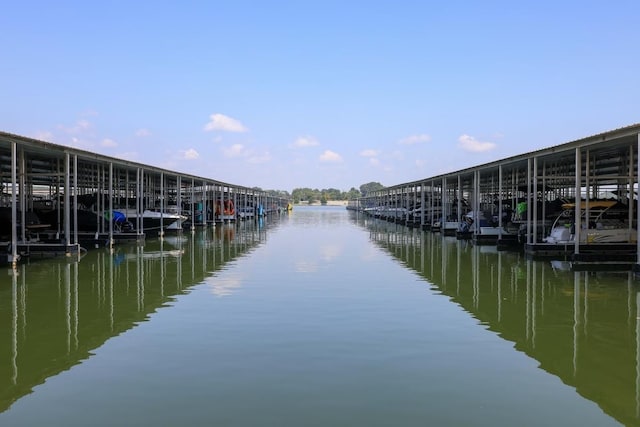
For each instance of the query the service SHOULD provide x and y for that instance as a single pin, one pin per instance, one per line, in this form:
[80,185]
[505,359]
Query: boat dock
[57,200]
[576,201]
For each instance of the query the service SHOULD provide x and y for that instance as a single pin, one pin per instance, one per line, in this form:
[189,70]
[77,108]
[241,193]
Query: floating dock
[527,193]
[79,197]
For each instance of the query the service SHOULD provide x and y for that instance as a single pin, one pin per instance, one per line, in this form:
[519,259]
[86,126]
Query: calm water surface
[319,318]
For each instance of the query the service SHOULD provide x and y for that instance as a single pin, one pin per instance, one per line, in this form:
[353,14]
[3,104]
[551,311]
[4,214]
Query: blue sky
[320,94]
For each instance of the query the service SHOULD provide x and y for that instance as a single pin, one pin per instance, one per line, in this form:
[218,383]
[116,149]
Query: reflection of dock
[38,250]
[81,305]
[581,326]
[622,253]
[172,253]
[47,245]
[590,184]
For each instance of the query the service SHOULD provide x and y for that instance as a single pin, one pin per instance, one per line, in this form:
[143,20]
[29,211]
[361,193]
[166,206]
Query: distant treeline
[314,195]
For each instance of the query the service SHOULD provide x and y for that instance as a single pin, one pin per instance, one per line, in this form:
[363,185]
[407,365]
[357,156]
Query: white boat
[156,220]
[601,225]
[481,225]
[247,212]
[449,228]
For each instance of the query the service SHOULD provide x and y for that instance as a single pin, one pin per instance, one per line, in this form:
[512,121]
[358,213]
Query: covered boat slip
[110,199]
[517,201]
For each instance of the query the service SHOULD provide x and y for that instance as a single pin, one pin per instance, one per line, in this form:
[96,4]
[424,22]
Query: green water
[318,318]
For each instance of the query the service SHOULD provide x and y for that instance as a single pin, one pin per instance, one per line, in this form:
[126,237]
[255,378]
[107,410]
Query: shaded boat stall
[108,199]
[514,202]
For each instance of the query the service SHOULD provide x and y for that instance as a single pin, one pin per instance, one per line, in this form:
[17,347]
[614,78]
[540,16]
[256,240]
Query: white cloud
[369,153]
[303,266]
[128,155]
[330,156]
[305,141]
[420,163]
[79,127]
[374,161]
[143,133]
[415,139]
[224,123]
[236,150]
[191,154]
[330,252]
[224,286]
[107,142]
[258,159]
[44,136]
[79,143]
[469,143]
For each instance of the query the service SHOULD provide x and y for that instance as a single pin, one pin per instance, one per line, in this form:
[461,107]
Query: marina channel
[503,294]
[318,316]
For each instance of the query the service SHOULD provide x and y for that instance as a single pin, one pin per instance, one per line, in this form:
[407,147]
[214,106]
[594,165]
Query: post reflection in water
[581,326]
[55,312]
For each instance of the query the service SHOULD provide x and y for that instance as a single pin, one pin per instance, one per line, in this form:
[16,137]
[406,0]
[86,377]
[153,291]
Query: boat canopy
[597,204]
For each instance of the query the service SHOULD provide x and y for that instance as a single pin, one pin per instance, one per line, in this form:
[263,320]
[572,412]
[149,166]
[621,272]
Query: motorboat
[602,221]
[225,211]
[155,220]
[247,212]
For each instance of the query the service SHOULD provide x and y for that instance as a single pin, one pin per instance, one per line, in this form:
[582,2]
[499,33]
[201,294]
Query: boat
[87,221]
[225,211]
[449,227]
[247,212]
[602,221]
[155,220]
[33,225]
[125,216]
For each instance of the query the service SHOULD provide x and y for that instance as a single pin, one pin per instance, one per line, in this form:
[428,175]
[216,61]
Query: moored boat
[225,211]
[601,221]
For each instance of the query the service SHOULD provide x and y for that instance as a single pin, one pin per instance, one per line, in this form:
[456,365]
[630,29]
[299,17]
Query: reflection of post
[586,304]
[14,325]
[528,301]
[140,284]
[576,319]
[542,289]
[444,260]
[75,305]
[432,253]
[162,268]
[630,293]
[111,304]
[67,294]
[205,247]
[500,284]
[638,354]
[422,250]
[213,251]
[458,262]
[534,288]
[475,267]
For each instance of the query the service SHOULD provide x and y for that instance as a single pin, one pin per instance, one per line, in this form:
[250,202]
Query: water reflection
[55,312]
[583,327]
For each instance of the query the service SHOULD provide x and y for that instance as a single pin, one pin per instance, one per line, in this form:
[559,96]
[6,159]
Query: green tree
[370,187]
[352,194]
[305,194]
